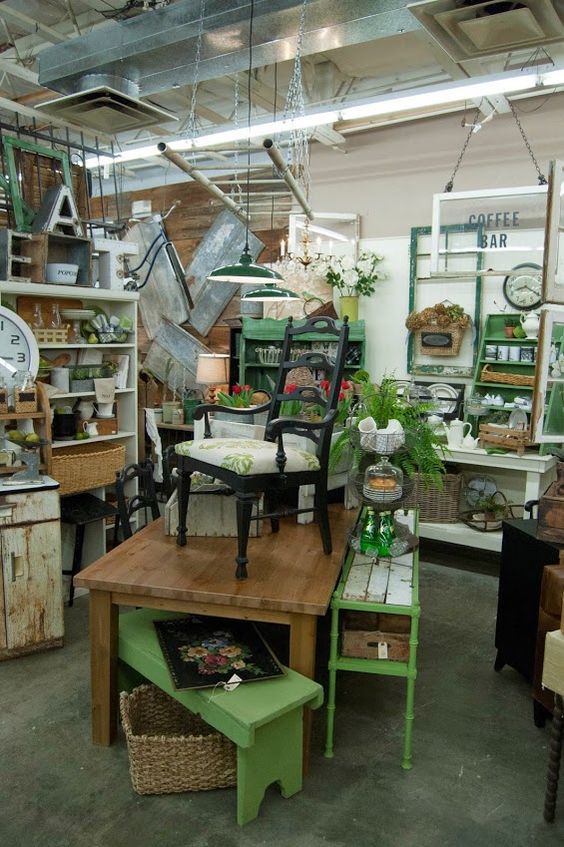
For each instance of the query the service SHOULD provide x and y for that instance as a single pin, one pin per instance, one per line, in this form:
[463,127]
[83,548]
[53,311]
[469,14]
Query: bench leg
[276,756]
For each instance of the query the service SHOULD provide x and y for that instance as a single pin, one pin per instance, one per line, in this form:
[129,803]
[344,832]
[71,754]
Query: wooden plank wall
[186,227]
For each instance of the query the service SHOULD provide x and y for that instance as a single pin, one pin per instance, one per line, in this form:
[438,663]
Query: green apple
[92,338]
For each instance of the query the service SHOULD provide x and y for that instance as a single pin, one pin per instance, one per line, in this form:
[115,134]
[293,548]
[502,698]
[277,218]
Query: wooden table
[290,582]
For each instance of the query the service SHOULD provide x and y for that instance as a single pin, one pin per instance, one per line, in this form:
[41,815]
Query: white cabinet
[521,478]
[31,604]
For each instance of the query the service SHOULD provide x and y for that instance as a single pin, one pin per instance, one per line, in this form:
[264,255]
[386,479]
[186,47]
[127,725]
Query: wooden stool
[553,678]
[80,510]
[264,719]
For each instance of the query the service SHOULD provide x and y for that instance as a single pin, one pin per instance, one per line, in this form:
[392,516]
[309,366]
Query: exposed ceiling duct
[472,30]
[156,50]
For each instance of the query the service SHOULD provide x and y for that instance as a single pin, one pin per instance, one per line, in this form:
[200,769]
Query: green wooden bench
[264,719]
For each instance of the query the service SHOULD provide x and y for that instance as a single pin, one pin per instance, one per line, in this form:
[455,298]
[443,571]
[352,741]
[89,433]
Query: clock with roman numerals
[18,346]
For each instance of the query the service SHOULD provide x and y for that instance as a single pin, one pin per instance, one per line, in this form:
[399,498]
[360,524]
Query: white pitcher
[456,431]
[530,322]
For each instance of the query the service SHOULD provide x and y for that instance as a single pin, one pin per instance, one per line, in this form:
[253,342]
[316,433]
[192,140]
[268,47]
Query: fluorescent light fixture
[432,95]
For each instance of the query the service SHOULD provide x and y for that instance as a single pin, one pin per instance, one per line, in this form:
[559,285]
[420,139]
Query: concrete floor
[479,762]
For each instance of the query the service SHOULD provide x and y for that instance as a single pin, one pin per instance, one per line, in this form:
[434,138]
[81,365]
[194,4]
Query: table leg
[555,752]
[303,639]
[103,666]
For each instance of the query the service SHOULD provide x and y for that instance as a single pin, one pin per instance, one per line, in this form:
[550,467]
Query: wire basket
[487,375]
[384,443]
[171,749]
[397,500]
[269,355]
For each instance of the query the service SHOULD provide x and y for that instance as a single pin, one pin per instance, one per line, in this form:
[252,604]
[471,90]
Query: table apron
[212,609]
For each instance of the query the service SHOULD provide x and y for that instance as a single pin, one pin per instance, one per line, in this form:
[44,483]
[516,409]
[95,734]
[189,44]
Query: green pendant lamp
[245,270]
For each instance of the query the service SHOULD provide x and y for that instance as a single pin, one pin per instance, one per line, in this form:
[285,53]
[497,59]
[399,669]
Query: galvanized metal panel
[162,297]
[173,356]
[221,245]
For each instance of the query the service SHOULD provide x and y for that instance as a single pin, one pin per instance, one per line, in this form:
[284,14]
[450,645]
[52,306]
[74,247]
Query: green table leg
[331,696]
[276,756]
[411,677]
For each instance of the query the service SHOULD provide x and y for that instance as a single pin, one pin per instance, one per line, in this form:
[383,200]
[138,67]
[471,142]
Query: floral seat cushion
[246,456]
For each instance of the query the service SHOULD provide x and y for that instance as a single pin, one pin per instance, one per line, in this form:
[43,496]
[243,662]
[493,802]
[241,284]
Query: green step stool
[264,719]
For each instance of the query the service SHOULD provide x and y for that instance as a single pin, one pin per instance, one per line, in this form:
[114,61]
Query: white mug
[104,410]
[90,427]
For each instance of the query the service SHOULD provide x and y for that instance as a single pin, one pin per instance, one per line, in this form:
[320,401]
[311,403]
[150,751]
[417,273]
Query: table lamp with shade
[212,370]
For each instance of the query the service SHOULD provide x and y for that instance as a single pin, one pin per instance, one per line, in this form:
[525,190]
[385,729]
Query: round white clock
[522,287]
[18,346]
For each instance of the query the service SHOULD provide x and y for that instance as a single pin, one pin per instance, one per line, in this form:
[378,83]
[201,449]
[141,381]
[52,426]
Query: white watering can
[530,322]
[456,431]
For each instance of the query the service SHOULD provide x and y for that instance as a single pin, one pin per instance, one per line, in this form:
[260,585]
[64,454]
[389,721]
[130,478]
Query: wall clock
[522,287]
[18,346]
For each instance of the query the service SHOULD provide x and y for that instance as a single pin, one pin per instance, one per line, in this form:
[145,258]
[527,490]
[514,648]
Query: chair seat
[246,456]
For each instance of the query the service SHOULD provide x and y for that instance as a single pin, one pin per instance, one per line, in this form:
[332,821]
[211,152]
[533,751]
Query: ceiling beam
[13,68]
[28,24]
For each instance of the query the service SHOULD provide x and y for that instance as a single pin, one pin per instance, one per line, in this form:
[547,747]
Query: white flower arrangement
[354,278]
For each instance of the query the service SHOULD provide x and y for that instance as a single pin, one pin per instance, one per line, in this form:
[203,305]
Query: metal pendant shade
[269,292]
[245,271]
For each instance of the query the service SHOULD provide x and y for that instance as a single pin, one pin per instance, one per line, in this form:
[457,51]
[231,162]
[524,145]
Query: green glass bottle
[368,542]
[385,534]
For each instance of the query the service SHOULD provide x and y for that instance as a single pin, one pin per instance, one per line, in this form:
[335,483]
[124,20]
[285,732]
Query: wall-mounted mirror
[329,234]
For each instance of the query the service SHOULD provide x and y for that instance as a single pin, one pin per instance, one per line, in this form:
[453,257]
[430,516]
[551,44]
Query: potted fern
[422,451]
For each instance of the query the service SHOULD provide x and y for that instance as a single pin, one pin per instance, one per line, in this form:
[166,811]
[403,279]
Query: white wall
[389,177]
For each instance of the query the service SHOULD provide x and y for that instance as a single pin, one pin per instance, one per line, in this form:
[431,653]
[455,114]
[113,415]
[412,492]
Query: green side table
[382,587]
[264,719]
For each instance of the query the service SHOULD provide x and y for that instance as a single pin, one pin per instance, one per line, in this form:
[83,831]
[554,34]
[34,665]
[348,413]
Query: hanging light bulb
[245,270]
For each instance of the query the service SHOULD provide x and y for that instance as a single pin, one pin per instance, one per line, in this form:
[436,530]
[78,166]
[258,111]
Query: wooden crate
[363,632]
[503,436]
[46,247]
[375,644]
[52,336]
[106,426]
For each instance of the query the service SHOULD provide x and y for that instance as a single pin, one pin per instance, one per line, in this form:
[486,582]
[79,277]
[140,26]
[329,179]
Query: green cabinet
[510,367]
[261,343]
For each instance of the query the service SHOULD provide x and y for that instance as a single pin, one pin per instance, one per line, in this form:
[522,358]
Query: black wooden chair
[251,466]
[145,499]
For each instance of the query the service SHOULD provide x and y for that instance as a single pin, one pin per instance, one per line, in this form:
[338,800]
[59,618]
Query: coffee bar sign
[509,221]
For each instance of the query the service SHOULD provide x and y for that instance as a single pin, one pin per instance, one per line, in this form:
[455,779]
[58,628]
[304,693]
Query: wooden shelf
[60,346]
[180,427]
[72,442]
[76,394]
[22,416]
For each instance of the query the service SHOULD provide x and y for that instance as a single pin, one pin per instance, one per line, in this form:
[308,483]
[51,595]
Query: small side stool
[264,719]
[553,678]
[79,510]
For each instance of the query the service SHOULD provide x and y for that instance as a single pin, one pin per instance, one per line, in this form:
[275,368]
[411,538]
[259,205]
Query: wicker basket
[488,375]
[437,506]
[171,749]
[454,330]
[87,466]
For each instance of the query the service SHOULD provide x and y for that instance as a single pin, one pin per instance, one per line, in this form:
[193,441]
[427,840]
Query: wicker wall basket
[87,466]
[437,506]
[487,375]
[171,749]
[455,331]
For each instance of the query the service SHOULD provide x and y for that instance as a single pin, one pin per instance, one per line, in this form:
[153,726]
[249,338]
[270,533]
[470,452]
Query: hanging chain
[450,184]
[192,127]
[236,190]
[295,106]
[541,177]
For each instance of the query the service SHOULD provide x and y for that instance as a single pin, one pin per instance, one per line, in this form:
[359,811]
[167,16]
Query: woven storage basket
[488,375]
[456,332]
[437,506]
[87,466]
[171,749]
